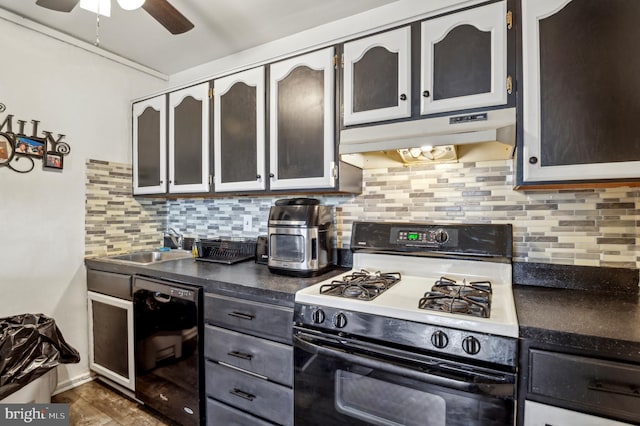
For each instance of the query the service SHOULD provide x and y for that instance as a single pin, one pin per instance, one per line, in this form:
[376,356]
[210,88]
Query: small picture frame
[6,149]
[53,160]
[29,145]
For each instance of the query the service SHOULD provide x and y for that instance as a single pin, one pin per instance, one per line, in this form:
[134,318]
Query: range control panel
[426,237]
[485,240]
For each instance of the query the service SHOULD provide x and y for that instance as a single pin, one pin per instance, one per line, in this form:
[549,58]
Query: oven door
[341,381]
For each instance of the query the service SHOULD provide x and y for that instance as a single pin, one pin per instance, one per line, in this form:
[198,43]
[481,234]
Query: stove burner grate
[361,285]
[447,295]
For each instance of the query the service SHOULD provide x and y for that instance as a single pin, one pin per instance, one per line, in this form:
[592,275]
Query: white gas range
[422,330]
[448,290]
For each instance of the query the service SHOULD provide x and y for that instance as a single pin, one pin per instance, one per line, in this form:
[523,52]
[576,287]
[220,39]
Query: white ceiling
[222,27]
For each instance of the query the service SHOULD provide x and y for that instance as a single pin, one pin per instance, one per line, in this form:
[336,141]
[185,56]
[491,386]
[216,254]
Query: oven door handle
[304,341]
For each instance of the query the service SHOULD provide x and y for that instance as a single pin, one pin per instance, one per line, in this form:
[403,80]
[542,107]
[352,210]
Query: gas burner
[448,295]
[361,285]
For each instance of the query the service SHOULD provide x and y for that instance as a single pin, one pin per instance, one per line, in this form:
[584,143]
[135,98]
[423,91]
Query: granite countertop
[589,309]
[246,279]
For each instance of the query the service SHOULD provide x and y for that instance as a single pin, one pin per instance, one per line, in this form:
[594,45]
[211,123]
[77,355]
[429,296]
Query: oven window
[382,403]
[287,248]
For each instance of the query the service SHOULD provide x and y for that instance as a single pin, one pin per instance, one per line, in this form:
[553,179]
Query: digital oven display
[412,236]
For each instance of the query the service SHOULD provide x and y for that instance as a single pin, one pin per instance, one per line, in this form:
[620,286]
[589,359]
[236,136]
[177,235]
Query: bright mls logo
[36,414]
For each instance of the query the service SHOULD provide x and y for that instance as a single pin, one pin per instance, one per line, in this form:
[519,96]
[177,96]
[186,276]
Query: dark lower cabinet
[560,385]
[248,362]
[580,91]
[111,345]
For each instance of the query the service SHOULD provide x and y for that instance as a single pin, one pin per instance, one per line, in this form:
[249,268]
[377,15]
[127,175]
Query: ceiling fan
[161,10]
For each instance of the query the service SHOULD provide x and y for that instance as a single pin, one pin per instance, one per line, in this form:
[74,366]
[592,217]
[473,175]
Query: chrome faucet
[176,238]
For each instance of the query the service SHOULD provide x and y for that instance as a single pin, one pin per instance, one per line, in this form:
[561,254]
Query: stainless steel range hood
[488,135]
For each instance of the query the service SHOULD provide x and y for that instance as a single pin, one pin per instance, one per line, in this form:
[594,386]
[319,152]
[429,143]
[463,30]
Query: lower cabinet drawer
[259,319]
[587,384]
[264,357]
[249,393]
[219,414]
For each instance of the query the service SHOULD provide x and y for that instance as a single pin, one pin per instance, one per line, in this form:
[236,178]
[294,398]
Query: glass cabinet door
[302,153]
[239,114]
[464,60]
[377,77]
[149,146]
[189,139]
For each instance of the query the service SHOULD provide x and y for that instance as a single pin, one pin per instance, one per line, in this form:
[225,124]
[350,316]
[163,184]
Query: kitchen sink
[151,257]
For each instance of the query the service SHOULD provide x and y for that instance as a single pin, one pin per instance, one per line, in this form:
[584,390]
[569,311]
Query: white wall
[87,98]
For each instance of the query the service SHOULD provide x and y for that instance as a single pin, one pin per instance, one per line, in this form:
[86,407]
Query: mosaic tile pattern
[594,227]
[115,222]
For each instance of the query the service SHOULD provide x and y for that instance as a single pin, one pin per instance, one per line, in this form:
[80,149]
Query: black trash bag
[30,345]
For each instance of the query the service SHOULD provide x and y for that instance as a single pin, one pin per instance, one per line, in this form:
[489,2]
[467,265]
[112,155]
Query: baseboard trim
[73,382]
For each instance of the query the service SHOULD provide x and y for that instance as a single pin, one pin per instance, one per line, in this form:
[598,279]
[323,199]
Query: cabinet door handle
[426,94]
[533,160]
[240,355]
[241,315]
[626,390]
[271,175]
[242,394]
[258,177]
[403,97]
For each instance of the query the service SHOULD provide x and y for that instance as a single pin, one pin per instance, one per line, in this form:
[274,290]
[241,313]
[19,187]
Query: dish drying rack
[226,250]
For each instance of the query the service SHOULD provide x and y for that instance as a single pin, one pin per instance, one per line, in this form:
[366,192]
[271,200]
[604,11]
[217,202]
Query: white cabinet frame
[491,18]
[396,41]
[128,382]
[319,60]
[254,78]
[532,13]
[158,104]
[199,93]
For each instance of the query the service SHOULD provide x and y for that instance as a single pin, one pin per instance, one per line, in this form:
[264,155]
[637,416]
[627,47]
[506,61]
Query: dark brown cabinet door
[464,59]
[239,151]
[580,90]
[189,139]
[302,143]
[149,146]
[377,77]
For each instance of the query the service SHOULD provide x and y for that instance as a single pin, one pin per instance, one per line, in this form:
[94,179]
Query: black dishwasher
[168,344]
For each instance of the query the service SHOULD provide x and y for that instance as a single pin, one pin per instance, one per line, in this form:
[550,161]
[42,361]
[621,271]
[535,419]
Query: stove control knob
[441,237]
[317,316]
[340,320]
[439,339]
[471,345]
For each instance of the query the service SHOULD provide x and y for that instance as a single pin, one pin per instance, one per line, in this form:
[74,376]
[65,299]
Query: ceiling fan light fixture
[102,7]
[130,4]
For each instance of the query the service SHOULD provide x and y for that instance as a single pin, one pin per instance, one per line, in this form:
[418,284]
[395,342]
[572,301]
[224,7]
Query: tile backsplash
[115,222]
[595,227]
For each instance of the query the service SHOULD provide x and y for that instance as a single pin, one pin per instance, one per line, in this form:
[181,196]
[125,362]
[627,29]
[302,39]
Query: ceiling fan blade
[168,16]
[58,5]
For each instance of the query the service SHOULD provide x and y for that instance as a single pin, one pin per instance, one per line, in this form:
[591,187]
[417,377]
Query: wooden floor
[94,403]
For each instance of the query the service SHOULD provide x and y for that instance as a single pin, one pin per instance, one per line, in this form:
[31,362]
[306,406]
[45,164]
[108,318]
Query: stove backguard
[466,241]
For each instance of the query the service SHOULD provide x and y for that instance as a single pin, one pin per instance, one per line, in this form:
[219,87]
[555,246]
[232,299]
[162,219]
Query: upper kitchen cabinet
[302,105]
[580,91]
[189,139]
[464,60]
[239,123]
[377,77]
[149,146]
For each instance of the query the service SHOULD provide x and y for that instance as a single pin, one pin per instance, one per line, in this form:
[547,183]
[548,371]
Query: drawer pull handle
[241,315]
[242,394]
[241,355]
[626,390]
